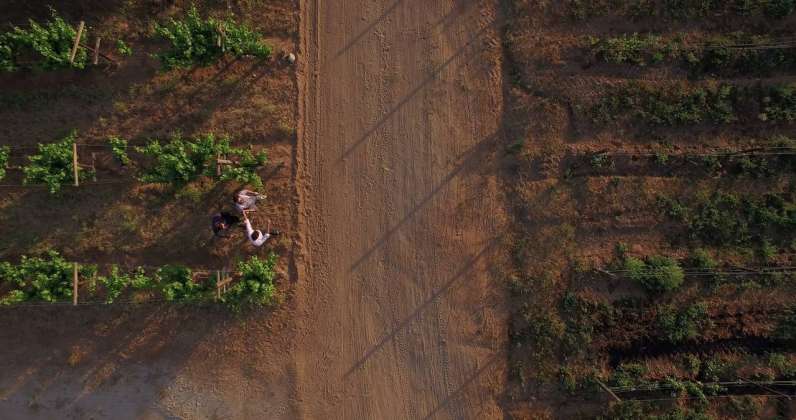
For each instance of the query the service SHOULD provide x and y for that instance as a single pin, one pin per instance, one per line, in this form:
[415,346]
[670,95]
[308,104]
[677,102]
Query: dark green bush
[725,219]
[176,283]
[53,166]
[679,9]
[676,106]
[5,151]
[256,286]
[684,325]
[47,278]
[119,149]
[202,41]
[182,160]
[655,273]
[48,45]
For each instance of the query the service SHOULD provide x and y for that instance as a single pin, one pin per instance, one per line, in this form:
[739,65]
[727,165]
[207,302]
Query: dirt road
[399,313]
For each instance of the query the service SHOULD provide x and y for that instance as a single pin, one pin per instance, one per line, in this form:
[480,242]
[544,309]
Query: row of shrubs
[679,9]
[49,278]
[717,56]
[193,40]
[765,164]
[177,161]
[727,219]
[682,105]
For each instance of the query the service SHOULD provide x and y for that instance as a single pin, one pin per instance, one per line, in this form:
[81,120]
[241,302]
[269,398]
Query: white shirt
[249,201]
[260,239]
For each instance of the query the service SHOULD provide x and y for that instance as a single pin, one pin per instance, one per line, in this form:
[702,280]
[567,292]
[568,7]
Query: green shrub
[725,219]
[202,41]
[656,273]
[782,364]
[679,326]
[702,260]
[177,284]
[49,43]
[119,149]
[779,103]
[680,10]
[181,160]
[786,330]
[47,278]
[5,151]
[123,49]
[674,106]
[628,375]
[52,165]
[633,49]
[256,286]
[114,284]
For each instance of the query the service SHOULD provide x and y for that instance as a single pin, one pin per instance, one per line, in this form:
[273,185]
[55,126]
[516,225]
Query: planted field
[654,150]
[124,127]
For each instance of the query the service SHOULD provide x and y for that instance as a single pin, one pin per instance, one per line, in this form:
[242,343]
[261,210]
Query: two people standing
[245,201]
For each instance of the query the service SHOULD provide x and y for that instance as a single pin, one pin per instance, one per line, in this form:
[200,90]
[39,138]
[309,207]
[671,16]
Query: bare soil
[401,311]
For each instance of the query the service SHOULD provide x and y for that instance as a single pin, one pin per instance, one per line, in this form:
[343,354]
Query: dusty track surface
[400,316]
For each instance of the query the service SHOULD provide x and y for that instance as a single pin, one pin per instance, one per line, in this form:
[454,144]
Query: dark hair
[255,235]
[236,193]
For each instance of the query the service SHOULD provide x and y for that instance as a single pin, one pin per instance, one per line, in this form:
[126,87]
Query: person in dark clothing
[222,222]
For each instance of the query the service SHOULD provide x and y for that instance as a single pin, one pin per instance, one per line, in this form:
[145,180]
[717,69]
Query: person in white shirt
[246,200]
[256,237]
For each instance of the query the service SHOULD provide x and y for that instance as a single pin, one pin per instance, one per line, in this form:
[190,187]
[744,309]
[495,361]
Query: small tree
[53,165]
[4,152]
[256,286]
[51,43]
[202,41]
[656,274]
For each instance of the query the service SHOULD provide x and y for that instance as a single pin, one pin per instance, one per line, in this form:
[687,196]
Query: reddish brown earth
[400,313]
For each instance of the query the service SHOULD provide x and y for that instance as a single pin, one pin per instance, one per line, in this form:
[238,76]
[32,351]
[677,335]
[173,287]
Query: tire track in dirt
[400,305]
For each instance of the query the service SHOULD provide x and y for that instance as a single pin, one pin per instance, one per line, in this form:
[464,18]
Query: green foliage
[786,330]
[725,219]
[119,149]
[675,106]
[635,410]
[683,325]
[655,273]
[202,41]
[635,49]
[114,284]
[256,286]
[680,10]
[783,365]
[181,160]
[53,165]
[628,374]
[701,259]
[718,56]
[744,408]
[176,283]
[779,104]
[49,44]
[4,153]
[601,160]
[123,49]
[47,278]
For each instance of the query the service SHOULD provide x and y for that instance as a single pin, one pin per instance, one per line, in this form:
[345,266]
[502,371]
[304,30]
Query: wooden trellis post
[222,280]
[608,390]
[74,163]
[77,42]
[74,286]
[95,61]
